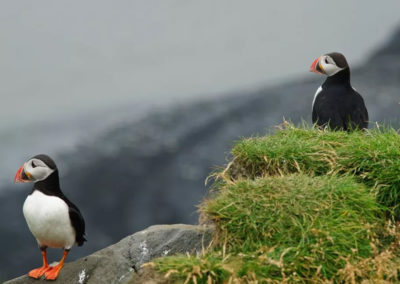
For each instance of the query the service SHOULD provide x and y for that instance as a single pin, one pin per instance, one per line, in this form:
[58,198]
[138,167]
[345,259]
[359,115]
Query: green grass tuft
[373,157]
[188,268]
[304,224]
[299,217]
[279,227]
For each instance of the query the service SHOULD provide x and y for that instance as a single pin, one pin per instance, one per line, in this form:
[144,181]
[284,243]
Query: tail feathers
[80,240]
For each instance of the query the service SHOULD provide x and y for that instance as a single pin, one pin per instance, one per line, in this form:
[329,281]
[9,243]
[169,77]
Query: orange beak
[316,67]
[21,175]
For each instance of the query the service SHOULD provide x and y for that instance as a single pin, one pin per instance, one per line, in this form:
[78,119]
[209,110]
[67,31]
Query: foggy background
[150,95]
[64,62]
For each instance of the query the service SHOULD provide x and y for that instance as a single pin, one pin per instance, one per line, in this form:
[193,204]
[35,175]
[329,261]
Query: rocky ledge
[118,263]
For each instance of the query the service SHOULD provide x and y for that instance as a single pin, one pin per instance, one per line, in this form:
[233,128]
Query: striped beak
[316,66]
[22,176]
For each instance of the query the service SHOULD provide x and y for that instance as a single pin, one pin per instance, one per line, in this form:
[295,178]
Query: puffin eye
[326,61]
[33,165]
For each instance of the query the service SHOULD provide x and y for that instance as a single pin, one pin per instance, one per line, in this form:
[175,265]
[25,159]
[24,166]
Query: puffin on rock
[53,220]
[336,103]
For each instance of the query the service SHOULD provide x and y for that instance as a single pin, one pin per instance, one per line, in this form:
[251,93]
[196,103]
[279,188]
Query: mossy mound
[304,206]
[308,224]
[287,228]
[373,157]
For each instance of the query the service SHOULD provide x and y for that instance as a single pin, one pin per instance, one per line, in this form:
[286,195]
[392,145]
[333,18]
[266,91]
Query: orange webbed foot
[52,273]
[38,272]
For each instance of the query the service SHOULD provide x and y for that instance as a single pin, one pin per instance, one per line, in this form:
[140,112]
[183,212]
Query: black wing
[359,113]
[77,222]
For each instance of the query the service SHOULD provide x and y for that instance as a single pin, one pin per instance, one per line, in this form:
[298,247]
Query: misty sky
[64,58]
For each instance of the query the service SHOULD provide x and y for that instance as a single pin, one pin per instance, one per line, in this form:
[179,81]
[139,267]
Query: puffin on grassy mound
[53,220]
[336,103]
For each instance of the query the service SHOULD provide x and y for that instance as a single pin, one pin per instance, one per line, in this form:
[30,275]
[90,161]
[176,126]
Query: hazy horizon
[63,59]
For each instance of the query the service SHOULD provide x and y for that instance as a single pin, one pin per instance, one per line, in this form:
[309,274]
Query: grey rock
[118,262]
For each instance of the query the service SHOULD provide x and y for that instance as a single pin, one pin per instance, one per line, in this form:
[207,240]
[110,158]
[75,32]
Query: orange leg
[38,272]
[52,273]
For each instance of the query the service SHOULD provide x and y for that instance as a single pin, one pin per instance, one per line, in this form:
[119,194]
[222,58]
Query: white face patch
[37,169]
[329,66]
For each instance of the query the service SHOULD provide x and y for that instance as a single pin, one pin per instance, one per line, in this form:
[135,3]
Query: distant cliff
[152,171]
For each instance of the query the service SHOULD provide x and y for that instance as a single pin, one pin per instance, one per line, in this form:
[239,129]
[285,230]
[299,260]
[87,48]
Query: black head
[339,59]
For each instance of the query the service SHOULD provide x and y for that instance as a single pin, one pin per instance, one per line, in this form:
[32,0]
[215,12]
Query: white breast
[316,94]
[48,219]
